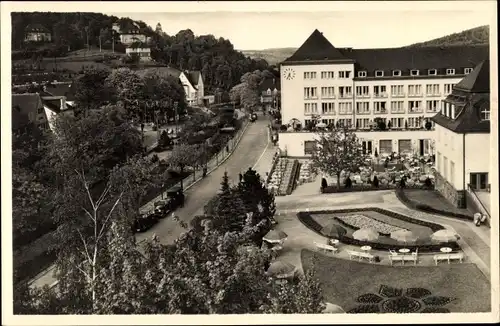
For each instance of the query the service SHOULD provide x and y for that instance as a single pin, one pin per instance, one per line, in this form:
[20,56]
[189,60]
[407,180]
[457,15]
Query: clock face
[289,73]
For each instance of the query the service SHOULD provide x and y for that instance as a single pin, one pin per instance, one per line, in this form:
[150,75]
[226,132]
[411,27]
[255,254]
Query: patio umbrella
[281,269]
[333,309]
[403,235]
[365,234]
[275,236]
[444,236]
[333,230]
[321,125]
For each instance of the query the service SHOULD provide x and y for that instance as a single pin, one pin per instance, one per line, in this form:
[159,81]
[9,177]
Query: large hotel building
[403,87]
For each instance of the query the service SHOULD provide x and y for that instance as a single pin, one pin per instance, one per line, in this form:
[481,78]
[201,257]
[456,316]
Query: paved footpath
[251,151]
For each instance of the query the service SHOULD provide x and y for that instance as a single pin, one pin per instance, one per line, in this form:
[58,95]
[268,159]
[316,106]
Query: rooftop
[269,83]
[24,108]
[33,28]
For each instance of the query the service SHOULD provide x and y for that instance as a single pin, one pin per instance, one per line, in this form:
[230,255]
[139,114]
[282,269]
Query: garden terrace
[382,220]
[291,130]
[364,288]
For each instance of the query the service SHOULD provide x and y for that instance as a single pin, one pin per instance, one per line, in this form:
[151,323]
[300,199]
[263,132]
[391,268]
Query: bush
[348,183]
[324,184]
[283,128]
[375,182]
[428,183]
[155,158]
[165,140]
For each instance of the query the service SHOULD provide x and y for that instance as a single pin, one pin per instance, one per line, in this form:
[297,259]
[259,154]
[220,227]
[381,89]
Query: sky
[359,29]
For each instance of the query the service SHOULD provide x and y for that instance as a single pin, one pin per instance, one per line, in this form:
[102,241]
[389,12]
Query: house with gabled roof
[140,50]
[130,34]
[269,90]
[388,96]
[28,108]
[463,141]
[37,33]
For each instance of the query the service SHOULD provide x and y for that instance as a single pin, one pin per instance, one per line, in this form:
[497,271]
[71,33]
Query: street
[249,150]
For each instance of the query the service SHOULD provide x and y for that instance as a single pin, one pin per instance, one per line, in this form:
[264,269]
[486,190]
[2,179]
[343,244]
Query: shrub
[348,183]
[165,140]
[428,183]
[283,128]
[324,184]
[155,158]
[375,182]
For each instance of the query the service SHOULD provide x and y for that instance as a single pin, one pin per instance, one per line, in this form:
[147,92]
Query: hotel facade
[401,87]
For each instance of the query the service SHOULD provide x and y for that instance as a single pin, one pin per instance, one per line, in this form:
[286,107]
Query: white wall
[131,38]
[477,155]
[450,145]
[293,142]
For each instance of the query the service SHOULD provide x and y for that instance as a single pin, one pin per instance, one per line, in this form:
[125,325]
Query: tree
[184,155]
[128,86]
[92,91]
[336,151]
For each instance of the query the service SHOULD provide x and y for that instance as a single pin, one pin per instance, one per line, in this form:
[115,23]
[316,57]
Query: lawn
[433,199]
[343,281]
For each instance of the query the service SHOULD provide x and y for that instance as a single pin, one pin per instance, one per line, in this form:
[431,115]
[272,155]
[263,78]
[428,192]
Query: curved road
[252,144]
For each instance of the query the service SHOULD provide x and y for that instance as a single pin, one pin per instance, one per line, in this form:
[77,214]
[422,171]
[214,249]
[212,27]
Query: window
[328,108]
[379,91]
[327,92]
[415,90]
[345,108]
[485,113]
[452,172]
[310,92]
[327,75]
[413,123]
[379,107]
[379,73]
[363,107]
[414,106]
[397,122]
[344,74]
[310,108]
[310,75]
[362,91]
[396,73]
[432,106]
[345,91]
[450,71]
[361,73]
[468,70]
[414,72]
[432,72]
[309,147]
[448,88]
[397,107]
[432,89]
[362,123]
[397,90]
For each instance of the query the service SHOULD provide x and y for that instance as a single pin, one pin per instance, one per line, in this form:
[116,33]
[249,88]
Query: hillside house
[130,35]
[139,49]
[269,93]
[37,33]
[28,108]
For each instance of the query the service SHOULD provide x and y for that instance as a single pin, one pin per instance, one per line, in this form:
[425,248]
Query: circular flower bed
[395,300]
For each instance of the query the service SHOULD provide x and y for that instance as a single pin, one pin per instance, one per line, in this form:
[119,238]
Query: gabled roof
[317,48]
[22,106]
[422,59]
[469,97]
[478,81]
[269,83]
[193,77]
[36,28]
[61,90]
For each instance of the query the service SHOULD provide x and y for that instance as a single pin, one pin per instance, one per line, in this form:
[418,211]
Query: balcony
[415,95]
[328,97]
[398,111]
[365,95]
[433,95]
[380,95]
[328,112]
[398,95]
[349,112]
[362,112]
[310,98]
[344,96]
[363,129]
[381,111]
[416,110]
[432,110]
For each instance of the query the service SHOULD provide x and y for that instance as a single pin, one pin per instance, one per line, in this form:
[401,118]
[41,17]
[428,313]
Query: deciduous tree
[336,151]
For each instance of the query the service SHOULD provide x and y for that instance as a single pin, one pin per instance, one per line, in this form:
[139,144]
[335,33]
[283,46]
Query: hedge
[368,187]
[426,208]
[310,223]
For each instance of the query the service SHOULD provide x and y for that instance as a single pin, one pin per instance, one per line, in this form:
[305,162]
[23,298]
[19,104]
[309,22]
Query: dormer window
[379,73]
[361,73]
[432,72]
[485,113]
[414,72]
[468,70]
[450,71]
[396,73]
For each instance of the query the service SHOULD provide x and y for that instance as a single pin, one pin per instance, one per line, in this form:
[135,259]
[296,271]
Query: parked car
[175,197]
[145,222]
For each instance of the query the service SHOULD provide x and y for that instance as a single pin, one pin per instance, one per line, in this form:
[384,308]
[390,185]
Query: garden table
[366,248]
[404,250]
[334,241]
[446,249]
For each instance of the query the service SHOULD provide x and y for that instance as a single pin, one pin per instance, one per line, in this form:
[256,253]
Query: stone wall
[456,197]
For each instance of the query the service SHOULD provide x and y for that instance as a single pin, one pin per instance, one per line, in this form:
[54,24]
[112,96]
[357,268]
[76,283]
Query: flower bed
[307,219]
[359,221]
[426,208]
